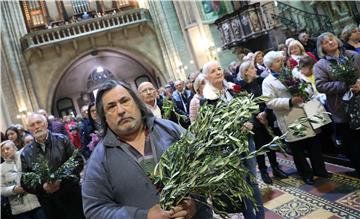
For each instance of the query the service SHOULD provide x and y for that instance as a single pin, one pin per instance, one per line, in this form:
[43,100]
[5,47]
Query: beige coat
[279,103]
[10,177]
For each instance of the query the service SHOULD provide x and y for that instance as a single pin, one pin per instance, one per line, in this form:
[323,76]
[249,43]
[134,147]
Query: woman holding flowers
[334,85]
[286,105]
[296,51]
[215,89]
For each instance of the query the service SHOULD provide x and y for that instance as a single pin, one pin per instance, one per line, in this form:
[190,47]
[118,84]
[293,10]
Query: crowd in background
[256,73]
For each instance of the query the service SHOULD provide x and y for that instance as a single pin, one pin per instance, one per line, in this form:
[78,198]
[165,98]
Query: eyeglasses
[147,90]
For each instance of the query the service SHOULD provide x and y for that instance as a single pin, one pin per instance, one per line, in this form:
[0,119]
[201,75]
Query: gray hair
[347,31]
[8,142]
[271,56]
[198,81]
[321,38]
[206,67]
[43,118]
[243,68]
[109,85]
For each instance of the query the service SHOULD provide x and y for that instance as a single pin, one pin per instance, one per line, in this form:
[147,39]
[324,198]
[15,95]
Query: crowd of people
[121,136]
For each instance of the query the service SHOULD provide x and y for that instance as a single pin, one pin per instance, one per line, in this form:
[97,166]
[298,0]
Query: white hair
[8,142]
[206,67]
[288,41]
[249,57]
[271,56]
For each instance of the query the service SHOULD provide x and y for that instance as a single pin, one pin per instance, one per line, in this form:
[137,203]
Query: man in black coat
[181,98]
[60,199]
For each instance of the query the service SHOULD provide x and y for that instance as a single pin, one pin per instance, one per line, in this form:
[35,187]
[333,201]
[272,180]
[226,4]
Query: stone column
[166,41]
[12,59]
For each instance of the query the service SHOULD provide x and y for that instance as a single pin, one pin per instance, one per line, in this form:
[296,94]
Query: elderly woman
[287,110]
[329,49]
[252,84]
[217,88]
[296,51]
[351,37]
[258,62]
[23,205]
[195,102]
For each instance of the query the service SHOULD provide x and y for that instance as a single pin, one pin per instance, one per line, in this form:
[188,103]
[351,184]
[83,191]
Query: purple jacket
[326,83]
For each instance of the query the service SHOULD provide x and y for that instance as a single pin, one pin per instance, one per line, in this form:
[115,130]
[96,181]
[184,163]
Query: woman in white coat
[23,205]
[287,109]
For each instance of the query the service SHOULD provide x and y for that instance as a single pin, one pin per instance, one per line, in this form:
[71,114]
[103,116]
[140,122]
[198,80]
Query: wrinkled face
[277,64]
[295,50]
[259,59]
[329,44]
[8,151]
[307,71]
[304,38]
[38,126]
[251,73]
[215,74]
[11,135]
[355,35]
[28,139]
[147,93]
[93,112]
[179,86]
[122,114]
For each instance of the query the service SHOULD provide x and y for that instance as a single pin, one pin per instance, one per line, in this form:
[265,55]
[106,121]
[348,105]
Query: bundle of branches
[209,162]
[42,173]
[345,71]
[169,110]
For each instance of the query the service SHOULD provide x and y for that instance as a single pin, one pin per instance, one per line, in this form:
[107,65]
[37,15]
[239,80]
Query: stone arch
[155,70]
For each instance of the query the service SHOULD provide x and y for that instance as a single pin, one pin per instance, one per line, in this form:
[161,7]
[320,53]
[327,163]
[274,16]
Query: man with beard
[60,199]
[116,181]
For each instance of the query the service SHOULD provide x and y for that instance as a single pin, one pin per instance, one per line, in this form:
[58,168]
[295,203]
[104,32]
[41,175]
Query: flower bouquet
[94,141]
[295,86]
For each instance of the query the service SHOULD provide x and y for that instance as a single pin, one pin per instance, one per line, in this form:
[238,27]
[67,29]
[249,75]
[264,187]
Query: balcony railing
[257,19]
[246,23]
[84,28]
[299,20]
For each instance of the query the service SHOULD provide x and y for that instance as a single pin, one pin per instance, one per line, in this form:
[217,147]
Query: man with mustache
[116,181]
[60,199]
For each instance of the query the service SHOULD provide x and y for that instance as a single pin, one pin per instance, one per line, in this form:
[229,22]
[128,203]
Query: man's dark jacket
[66,202]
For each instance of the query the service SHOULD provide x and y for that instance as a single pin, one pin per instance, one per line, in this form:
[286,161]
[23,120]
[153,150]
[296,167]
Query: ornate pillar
[12,60]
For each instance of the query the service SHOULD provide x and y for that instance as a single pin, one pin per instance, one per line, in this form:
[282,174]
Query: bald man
[147,93]
[54,125]
[60,199]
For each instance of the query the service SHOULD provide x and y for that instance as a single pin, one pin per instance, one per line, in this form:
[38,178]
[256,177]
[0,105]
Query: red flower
[236,88]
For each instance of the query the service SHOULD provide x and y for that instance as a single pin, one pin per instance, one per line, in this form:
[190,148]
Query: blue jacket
[115,186]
